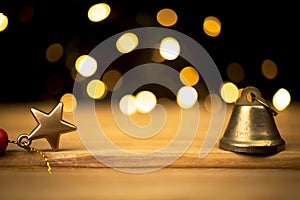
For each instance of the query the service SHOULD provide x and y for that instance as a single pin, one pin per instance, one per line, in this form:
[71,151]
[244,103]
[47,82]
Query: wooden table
[77,174]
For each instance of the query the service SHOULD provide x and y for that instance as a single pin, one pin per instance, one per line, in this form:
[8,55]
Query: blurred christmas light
[96,89]
[145,101]
[189,76]
[281,99]
[3,22]
[127,104]
[269,69]
[167,17]
[110,78]
[26,14]
[235,72]
[98,12]
[69,101]
[127,42]
[169,48]
[229,92]
[54,52]
[86,65]
[186,97]
[212,26]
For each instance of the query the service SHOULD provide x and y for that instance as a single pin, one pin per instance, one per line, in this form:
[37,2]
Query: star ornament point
[50,126]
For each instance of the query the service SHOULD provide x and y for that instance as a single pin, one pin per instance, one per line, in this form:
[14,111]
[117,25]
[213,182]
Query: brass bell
[251,128]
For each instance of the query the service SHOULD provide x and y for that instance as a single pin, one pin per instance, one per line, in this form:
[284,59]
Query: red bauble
[3,141]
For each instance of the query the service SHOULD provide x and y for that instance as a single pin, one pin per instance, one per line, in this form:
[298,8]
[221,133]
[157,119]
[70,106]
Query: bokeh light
[145,101]
[212,26]
[79,35]
[96,89]
[99,12]
[187,96]
[269,69]
[127,104]
[169,48]
[281,99]
[167,17]
[3,22]
[26,14]
[189,76]
[54,52]
[229,92]
[69,101]
[110,78]
[127,42]
[86,65]
[235,72]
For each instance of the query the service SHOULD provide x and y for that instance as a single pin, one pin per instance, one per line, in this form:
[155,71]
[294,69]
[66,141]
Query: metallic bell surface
[251,128]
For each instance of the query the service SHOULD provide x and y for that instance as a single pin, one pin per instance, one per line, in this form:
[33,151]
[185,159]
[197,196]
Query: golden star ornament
[50,126]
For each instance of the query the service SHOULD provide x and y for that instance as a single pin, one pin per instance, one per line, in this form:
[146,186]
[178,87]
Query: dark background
[251,32]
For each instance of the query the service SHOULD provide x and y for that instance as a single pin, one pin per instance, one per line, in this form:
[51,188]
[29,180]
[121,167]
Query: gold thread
[12,141]
[32,149]
[43,155]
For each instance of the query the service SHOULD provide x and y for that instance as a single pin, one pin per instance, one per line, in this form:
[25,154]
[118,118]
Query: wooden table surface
[77,174]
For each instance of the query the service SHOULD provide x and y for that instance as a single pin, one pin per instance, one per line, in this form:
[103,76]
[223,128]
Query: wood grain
[77,174]
[166,184]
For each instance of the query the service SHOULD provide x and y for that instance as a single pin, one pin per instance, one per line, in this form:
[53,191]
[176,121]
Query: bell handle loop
[256,97]
[250,90]
[253,91]
[267,106]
